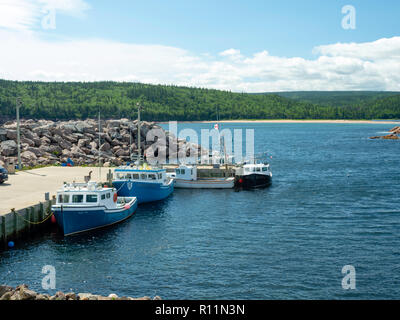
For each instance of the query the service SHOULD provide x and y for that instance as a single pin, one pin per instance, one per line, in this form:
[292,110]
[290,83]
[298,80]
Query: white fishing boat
[185,176]
[87,206]
[253,174]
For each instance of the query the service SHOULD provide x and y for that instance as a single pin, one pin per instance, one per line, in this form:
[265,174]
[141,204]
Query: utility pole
[18,105]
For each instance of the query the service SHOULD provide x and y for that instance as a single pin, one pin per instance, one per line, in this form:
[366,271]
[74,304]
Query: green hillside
[80,100]
[337,98]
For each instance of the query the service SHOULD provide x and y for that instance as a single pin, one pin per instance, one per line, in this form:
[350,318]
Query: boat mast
[99,147]
[139,135]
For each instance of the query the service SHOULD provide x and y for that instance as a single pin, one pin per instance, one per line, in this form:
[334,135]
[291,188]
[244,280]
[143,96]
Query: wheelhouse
[151,175]
[85,195]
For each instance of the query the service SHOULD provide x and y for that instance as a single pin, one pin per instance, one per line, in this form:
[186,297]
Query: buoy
[240,180]
[115,197]
[10,244]
[53,219]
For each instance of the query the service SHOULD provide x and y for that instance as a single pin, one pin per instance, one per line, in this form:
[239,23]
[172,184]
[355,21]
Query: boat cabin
[141,175]
[185,172]
[256,167]
[90,194]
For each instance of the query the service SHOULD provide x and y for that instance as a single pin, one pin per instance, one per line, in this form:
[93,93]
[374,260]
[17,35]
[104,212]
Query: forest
[81,100]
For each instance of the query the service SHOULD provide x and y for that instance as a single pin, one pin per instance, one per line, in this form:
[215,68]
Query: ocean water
[334,201]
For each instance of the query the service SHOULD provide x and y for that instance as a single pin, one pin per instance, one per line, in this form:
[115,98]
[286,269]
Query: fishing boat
[185,176]
[83,207]
[142,181]
[253,174]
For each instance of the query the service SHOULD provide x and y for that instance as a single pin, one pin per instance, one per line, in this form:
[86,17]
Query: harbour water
[334,201]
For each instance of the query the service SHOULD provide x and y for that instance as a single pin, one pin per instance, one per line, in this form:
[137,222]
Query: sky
[236,45]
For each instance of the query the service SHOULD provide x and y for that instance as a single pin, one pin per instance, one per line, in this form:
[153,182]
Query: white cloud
[27,14]
[349,66]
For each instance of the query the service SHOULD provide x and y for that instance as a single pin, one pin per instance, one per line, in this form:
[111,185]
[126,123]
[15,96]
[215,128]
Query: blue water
[334,201]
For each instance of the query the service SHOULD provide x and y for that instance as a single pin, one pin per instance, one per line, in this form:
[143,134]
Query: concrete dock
[23,207]
[28,188]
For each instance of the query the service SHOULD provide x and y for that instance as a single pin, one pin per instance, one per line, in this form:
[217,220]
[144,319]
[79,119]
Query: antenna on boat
[99,146]
[139,134]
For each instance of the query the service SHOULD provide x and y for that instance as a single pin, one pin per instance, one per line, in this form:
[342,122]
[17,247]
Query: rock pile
[393,135]
[45,142]
[22,292]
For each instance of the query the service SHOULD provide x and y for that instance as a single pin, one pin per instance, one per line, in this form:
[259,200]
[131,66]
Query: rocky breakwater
[393,135]
[45,142]
[22,292]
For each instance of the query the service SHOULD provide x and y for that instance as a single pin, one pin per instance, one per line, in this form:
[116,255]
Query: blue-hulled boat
[145,183]
[83,207]
[140,180]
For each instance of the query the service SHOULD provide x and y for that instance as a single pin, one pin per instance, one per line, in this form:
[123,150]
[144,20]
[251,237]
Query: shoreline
[298,121]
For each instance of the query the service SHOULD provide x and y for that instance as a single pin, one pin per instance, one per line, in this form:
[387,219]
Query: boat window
[159,176]
[63,198]
[254,169]
[103,197]
[135,176]
[191,171]
[91,198]
[258,169]
[129,176]
[143,176]
[108,195]
[182,171]
[120,175]
[152,177]
[77,198]
[247,169]
[264,169]
[178,171]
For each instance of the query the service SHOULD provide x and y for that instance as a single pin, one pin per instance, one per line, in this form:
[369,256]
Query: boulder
[8,148]
[71,296]
[3,134]
[28,156]
[105,147]
[12,134]
[4,289]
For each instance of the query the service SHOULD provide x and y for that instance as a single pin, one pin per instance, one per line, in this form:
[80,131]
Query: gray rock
[7,295]
[3,134]
[105,147]
[12,134]
[8,148]
[4,289]
[86,296]
[71,296]
[28,155]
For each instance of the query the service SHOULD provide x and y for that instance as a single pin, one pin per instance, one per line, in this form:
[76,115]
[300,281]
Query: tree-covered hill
[81,100]
[337,98]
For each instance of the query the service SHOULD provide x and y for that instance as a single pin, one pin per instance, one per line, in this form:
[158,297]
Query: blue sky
[255,45]
[285,27]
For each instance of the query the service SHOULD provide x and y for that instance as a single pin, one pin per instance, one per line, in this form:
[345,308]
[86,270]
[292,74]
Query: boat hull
[253,181]
[143,191]
[73,220]
[205,184]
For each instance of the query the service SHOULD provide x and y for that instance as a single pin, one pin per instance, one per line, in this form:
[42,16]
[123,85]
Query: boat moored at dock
[185,176]
[253,174]
[83,207]
[144,182]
